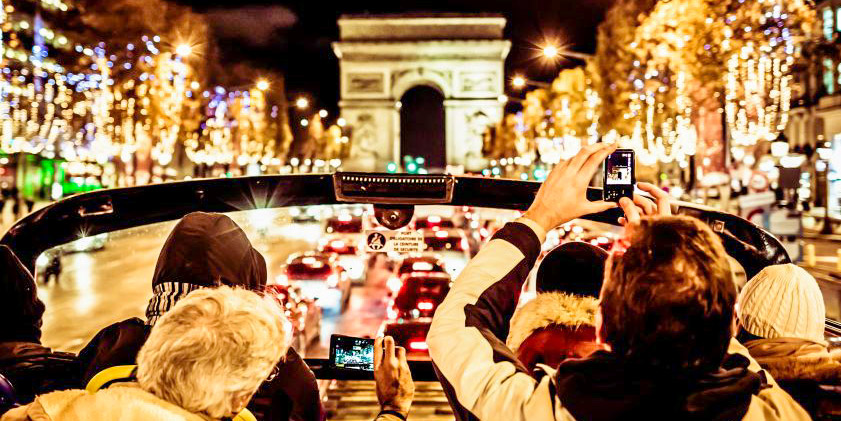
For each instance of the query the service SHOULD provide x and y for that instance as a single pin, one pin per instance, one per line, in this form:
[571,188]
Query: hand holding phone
[619,175]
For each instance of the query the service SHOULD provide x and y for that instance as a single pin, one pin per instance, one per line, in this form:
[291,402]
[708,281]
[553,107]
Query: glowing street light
[518,82]
[302,103]
[262,84]
[550,51]
[341,122]
[322,113]
[305,122]
[184,50]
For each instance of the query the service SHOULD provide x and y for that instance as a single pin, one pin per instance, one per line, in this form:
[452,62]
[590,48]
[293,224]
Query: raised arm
[481,376]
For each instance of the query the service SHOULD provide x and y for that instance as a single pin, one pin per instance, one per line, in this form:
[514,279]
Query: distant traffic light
[391,167]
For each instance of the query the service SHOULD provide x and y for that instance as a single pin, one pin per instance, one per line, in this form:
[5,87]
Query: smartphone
[351,353]
[619,177]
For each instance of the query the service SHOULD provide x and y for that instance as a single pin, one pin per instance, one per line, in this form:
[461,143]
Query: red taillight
[425,305]
[418,346]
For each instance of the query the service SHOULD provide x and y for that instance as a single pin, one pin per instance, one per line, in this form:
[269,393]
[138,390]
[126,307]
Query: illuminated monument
[383,59]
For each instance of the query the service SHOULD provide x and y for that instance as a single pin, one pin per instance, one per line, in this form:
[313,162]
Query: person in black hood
[31,367]
[207,250]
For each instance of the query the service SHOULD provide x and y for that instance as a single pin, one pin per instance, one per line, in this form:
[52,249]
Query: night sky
[294,36]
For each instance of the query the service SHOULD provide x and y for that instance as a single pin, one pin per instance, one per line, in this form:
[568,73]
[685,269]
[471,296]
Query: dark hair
[574,268]
[669,301]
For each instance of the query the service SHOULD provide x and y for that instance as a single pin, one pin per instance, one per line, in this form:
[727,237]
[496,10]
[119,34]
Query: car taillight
[417,345]
[425,305]
[332,280]
[394,284]
[442,234]
[345,217]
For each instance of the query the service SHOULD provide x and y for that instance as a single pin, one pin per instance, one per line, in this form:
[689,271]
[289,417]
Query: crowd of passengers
[656,328]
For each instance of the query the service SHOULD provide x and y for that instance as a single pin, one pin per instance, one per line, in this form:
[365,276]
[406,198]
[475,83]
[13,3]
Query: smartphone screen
[350,353]
[619,175]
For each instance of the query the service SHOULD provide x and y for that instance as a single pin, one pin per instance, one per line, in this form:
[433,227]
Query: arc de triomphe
[383,56]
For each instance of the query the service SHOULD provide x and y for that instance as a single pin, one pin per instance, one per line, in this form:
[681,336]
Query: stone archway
[381,58]
[422,126]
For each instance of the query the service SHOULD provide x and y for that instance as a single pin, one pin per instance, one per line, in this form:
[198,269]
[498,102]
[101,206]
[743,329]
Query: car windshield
[104,281]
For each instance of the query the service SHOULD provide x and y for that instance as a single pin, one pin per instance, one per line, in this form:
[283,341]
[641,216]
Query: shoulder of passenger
[774,403]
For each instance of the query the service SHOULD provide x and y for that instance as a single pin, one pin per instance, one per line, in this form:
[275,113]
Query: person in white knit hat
[781,322]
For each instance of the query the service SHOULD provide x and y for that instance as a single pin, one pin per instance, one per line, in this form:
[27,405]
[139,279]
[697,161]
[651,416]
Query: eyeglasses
[273,375]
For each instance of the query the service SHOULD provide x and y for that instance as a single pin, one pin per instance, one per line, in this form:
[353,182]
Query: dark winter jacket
[483,379]
[807,370]
[32,368]
[207,250]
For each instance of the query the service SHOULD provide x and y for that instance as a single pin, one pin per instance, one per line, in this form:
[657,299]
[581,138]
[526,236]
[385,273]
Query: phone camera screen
[353,353]
[619,169]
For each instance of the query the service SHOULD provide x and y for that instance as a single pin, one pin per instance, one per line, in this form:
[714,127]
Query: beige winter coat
[124,402]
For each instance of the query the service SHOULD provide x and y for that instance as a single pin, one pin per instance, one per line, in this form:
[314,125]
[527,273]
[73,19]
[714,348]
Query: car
[410,334]
[304,214]
[303,314]
[451,246]
[344,223]
[419,295]
[433,222]
[320,277]
[86,244]
[348,253]
[420,263]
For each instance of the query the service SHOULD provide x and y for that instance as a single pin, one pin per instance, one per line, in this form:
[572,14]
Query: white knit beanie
[783,301]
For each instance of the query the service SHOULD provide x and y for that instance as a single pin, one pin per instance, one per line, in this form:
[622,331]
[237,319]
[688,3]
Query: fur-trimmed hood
[550,308]
[797,359]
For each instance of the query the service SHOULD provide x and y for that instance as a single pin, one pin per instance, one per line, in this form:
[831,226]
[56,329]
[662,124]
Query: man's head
[212,350]
[668,302]
[575,268]
[204,250]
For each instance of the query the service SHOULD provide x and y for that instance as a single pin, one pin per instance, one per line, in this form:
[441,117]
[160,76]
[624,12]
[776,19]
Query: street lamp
[341,122]
[550,51]
[518,82]
[302,103]
[184,50]
[322,113]
[262,84]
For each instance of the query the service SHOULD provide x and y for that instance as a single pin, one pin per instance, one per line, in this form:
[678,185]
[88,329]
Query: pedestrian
[781,323]
[559,323]
[31,367]
[665,317]
[203,360]
[207,250]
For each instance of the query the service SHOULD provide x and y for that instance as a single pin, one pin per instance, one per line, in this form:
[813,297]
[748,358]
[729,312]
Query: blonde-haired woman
[204,359]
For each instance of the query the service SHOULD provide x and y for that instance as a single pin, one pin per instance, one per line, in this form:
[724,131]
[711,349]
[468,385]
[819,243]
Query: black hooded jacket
[31,367]
[206,250]
[603,387]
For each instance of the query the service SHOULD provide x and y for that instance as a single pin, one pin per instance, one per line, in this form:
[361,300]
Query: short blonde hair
[214,344]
